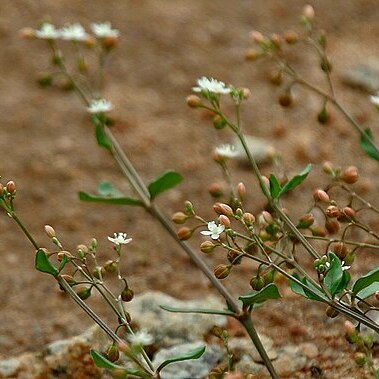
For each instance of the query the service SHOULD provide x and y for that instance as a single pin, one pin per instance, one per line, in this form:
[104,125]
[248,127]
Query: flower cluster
[99,106]
[119,239]
[212,86]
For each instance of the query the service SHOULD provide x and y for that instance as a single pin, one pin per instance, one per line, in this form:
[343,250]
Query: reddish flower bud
[332,226]
[348,212]
[257,283]
[224,209]
[291,37]
[252,54]
[224,220]
[331,312]
[216,190]
[69,279]
[308,12]
[241,190]
[63,253]
[276,78]
[248,218]
[219,122]
[340,249]
[350,175]
[285,99]
[306,221]
[127,294]
[193,101]
[332,211]
[246,93]
[321,195]
[256,37]
[113,353]
[184,233]
[11,187]
[222,271]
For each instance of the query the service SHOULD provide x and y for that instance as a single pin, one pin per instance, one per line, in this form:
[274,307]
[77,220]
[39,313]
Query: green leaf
[266,293]
[367,142]
[197,310]
[107,189]
[368,291]
[308,290]
[163,182]
[366,281]
[296,180]
[274,186]
[194,354]
[63,263]
[43,264]
[101,137]
[84,196]
[335,280]
[103,362]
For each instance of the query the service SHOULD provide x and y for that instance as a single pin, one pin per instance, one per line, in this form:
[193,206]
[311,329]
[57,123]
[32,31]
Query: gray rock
[196,368]
[9,367]
[364,76]
[169,328]
[259,148]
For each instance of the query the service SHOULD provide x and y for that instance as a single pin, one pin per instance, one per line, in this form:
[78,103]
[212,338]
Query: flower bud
[11,187]
[246,93]
[340,249]
[82,251]
[193,101]
[360,358]
[188,208]
[306,221]
[325,65]
[349,327]
[127,294]
[318,231]
[323,116]
[108,42]
[349,259]
[328,168]
[350,175]
[321,195]
[49,230]
[219,122]
[84,293]
[222,271]
[113,353]
[207,247]
[349,212]
[257,283]
[256,37]
[276,39]
[252,55]
[179,218]
[98,271]
[27,33]
[332,211]
[69,279]
[63,253]
[308,12]
[110,266]
[285,99]
[248,218]
[267,217]
[224,209]
[331,312]
[224,220]
[332,226]
[184,233]
[276,78]
[216,190]
[291,37]
[241,190]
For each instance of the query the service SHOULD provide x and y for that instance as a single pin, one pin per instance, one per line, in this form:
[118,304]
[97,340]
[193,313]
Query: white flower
[99,106]
[211,85]
[226,151]
[213,230]
[344,268]
[104,29]
[47,31]
[141,338]
[73,32]
[119,238]
[375,100]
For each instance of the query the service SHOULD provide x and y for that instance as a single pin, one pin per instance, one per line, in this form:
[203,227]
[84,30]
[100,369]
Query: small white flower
[99,106]
[119,238]
[141,338]
[226,151]
[47,31]
[73,32]
[344,268]
[214,230]
[375,100]
[104,29]
[211,85]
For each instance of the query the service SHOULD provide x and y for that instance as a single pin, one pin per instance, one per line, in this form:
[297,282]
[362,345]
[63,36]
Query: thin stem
[23,228]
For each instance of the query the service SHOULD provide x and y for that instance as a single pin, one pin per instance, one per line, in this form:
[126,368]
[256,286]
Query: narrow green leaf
[101,138]
[274,186]
[307,290]
[334,275]
[366,280]
[163,182]
[63,263]
[296,180]
[194,354]
[266,293]
[367,142]
[103,362]
[84,196]
[107,189]
[43,264]
[368,291]
[197,310]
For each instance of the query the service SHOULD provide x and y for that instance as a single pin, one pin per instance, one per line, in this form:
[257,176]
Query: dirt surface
[48,148]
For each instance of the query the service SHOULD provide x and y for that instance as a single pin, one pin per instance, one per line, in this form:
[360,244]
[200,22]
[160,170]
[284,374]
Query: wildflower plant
[326,233]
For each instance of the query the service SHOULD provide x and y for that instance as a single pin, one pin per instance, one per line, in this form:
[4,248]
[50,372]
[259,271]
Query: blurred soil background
[48,148]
